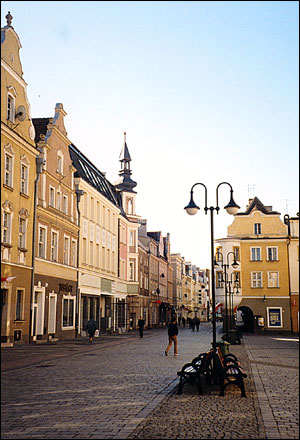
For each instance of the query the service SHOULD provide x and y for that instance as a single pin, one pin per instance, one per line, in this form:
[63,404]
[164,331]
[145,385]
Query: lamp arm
[217,189]
[192,190]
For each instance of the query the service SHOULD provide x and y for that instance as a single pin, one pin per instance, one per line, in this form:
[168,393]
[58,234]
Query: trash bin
[224,346]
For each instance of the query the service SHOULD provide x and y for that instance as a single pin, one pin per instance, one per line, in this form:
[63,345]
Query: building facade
[262,235]
[18,173]
[54,302]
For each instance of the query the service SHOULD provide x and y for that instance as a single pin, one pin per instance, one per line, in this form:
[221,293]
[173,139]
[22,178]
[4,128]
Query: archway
[248,319]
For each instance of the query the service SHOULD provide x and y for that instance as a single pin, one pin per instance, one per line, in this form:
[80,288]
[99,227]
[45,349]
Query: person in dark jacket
[172,333]
[91,327]
[141,324]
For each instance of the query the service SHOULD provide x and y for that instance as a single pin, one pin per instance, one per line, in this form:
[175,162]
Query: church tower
[125,184]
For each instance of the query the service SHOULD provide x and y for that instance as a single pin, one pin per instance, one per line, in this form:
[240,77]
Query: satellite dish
[21,113]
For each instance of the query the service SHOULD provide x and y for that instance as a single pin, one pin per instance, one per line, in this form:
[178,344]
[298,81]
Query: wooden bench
[227,370]
[192,371]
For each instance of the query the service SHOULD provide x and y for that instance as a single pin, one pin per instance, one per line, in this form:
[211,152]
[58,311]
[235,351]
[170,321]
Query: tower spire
[125,183]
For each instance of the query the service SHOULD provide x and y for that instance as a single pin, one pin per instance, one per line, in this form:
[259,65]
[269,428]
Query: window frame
[271,280]
[6,228]
[10,109]
[54,248]
[68,299]
[22,234]
[66,252]
[256,280]
[42,228]
[257,226]
[8,172]
[24,180]
[270,248]
[19,310]
[253,248]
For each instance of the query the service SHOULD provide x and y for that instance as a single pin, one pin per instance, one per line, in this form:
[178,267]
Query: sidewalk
[269,411]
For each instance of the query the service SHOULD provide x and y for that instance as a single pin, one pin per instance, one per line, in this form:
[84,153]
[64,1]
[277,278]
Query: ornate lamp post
[225,280]
[235,284]
[232,209]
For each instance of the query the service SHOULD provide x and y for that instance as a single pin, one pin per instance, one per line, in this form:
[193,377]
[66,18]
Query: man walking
[141,324]
[172,333]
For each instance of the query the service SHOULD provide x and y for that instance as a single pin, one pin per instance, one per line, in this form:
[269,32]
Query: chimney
[142,232]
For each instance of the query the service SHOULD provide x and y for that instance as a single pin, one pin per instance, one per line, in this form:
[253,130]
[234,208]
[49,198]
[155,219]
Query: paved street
[125,387]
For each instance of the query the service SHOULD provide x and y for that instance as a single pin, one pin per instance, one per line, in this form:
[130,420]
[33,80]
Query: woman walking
[172,333]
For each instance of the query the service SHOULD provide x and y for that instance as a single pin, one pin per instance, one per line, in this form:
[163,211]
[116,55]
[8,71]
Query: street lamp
[235,284]
[192,209]
[225,267]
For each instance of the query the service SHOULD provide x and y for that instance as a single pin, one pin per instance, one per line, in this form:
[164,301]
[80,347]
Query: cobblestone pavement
[125,387]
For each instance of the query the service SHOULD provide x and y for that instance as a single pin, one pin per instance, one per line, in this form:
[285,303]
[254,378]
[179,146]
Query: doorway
[248,319]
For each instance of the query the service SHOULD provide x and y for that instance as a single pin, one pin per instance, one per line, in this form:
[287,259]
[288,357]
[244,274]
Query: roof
[88,172]
[40,126]
[256,203]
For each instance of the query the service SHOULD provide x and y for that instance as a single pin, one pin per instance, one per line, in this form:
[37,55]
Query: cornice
[14,74]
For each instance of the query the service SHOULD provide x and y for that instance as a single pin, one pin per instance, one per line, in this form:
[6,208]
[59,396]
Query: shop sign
[274,317]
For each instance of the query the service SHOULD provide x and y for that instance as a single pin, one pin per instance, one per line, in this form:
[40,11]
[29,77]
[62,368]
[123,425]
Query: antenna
[251,187]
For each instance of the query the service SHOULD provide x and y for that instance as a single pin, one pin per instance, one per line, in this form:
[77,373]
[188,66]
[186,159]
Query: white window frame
[11,105]
[255,249]
[8,170]
[41,243]
[272,248]
[73,252]
[6,227]
[68,298]
[91,254]
[54,246]
[273,282]
[58,200]
[24,179]
[22,233]
[52,196]
[219,277]
[66,250]
[256,281]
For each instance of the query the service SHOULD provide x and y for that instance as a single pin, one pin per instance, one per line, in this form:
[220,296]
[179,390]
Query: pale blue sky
[206,91]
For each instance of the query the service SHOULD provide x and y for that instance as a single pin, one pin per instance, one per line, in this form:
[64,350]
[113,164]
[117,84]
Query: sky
[206,92]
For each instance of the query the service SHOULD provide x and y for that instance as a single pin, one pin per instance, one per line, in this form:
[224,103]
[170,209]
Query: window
[131,271]
[255,254]
[91,253]
[10,108]
[97,255]
[19,305]
[219,254]
[66,249]
[52,197]
[6,229]
[236,251]
[84,256]
[22,233]
[256,280]
[219,279]
[42,242]
[274,317]
[58,201]
[257,228]
[92,208]
[65,204]
[272,253]
[8,177]
[273,279]
[68,312]
[54,247]
[59,162]
[73,253]
[24,179]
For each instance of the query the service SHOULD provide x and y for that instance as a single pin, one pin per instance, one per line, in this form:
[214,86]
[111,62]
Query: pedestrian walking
[141,324]
[179,320]
[192,324]
[197,323]
[91,327]
[172,333]
[239,323]
[183,321]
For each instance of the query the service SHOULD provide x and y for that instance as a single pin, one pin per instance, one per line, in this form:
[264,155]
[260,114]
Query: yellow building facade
[18,173]
[264,273]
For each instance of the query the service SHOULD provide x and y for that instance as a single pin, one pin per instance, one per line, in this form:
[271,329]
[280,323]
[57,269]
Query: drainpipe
[40,163]
[79,193]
